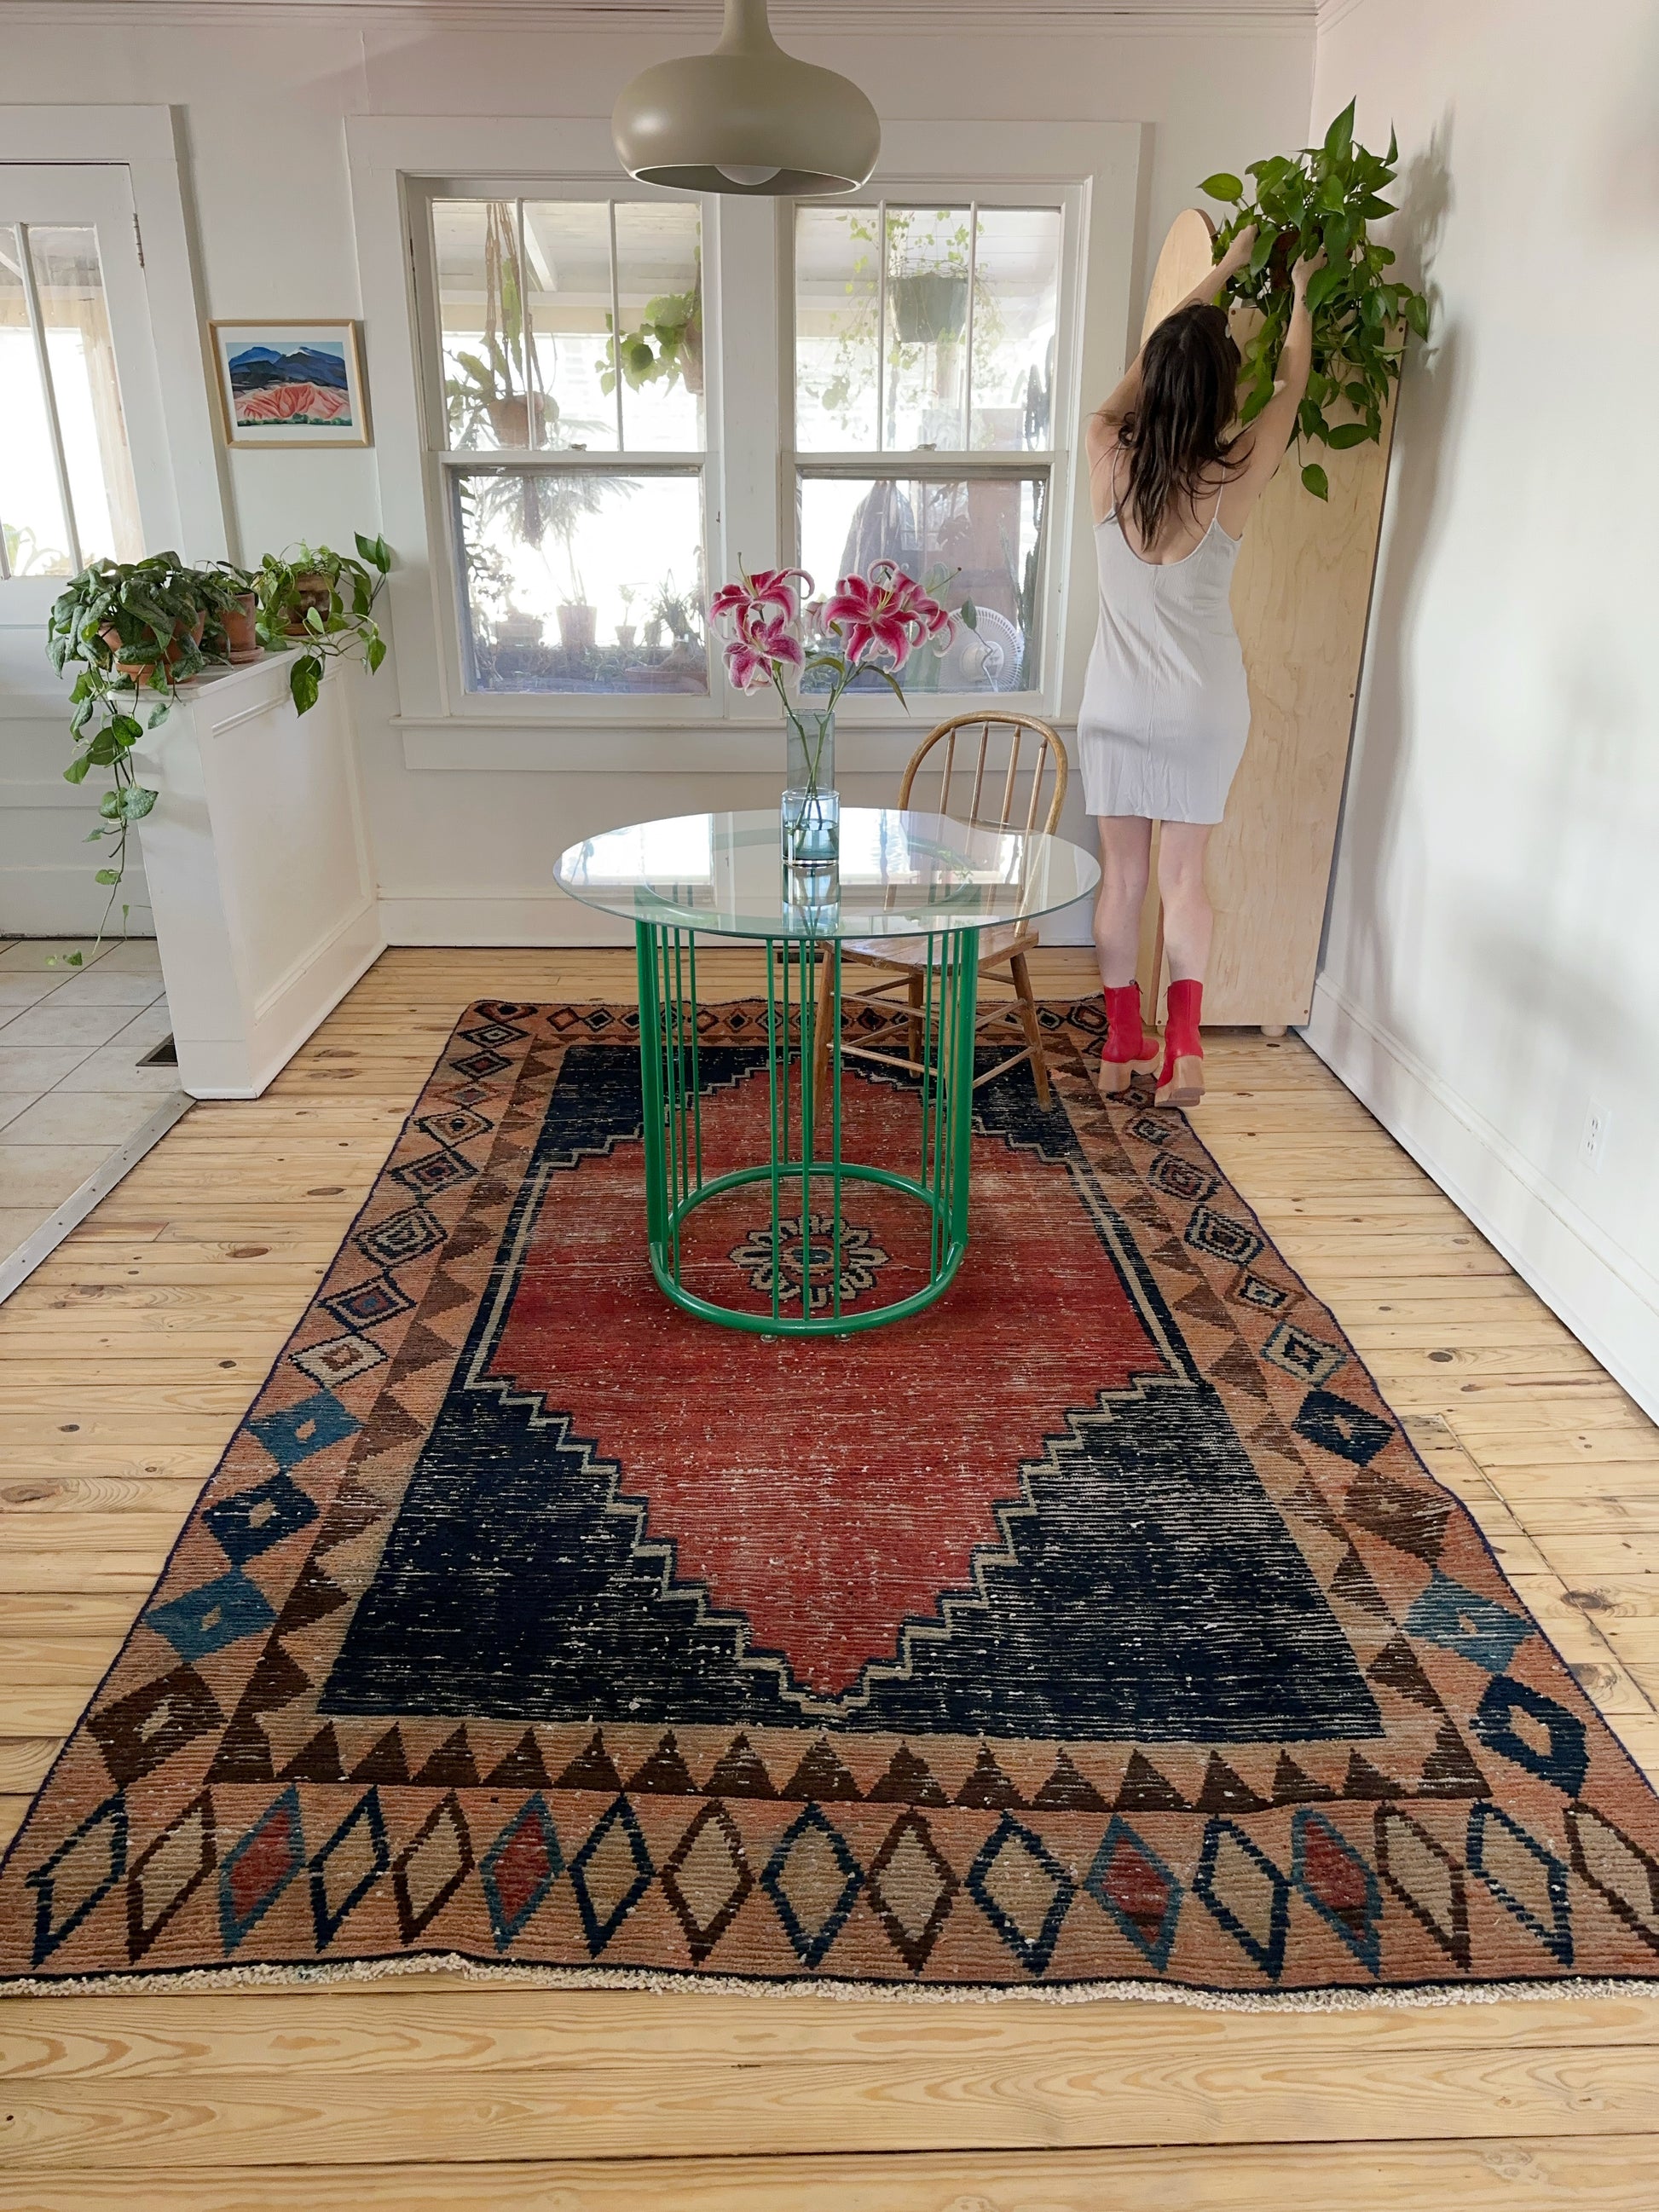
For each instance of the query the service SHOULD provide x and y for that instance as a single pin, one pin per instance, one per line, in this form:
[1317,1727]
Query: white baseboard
[489,918]
[1603,1293]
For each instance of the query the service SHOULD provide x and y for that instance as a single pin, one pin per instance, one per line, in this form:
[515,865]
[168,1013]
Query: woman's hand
[1238,253]
[1304,270]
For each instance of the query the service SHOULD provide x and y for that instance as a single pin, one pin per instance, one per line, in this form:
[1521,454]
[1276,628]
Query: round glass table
[893,875]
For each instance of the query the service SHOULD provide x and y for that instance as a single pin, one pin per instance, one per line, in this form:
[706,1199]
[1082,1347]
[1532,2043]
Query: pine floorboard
[126,1362]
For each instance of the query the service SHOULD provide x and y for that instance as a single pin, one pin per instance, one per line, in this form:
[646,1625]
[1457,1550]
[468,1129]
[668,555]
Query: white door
[85,471]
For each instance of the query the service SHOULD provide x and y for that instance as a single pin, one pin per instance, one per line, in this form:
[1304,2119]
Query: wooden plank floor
[125,1364]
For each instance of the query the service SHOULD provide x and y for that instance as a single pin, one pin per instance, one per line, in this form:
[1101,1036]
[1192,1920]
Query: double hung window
[926,352]
[896,368]
[575,443]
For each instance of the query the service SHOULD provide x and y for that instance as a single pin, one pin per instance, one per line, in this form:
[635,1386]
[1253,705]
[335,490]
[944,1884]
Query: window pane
[1016,298]
[37,539]
[660,281]
[569,243]
[69,283]
[481,320]
[581,580]
[837,296]
[927,262]
[978,541]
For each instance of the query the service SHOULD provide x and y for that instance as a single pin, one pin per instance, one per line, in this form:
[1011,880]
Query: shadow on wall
[1380,892]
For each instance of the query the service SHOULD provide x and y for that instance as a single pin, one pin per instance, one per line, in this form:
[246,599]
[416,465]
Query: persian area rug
[1097,1630]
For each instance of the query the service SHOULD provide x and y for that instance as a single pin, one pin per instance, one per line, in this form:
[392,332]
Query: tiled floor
[78,1106]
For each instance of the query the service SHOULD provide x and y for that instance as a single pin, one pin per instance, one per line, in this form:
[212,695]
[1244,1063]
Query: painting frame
[298,354]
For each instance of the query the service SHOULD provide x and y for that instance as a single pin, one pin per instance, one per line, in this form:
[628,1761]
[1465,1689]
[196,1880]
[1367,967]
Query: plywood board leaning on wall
[1301,595]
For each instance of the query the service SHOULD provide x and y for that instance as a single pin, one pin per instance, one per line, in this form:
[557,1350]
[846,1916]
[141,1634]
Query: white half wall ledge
[1603,1293]
[265,907]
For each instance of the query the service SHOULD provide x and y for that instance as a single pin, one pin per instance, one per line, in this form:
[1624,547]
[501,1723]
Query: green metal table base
[806,1132]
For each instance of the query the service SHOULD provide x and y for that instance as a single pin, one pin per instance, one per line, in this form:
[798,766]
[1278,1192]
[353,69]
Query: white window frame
[751,487]
[1056,463]
[122,175]
[441,462]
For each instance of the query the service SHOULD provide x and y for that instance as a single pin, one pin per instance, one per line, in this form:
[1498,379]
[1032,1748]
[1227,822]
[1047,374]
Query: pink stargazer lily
[767,589]
[884,614]
[761,653]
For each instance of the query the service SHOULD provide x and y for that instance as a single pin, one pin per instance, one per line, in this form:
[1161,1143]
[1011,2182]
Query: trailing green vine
[1322,199]
[135,631]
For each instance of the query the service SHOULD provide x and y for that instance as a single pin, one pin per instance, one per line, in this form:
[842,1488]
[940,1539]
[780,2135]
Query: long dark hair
[1188,390]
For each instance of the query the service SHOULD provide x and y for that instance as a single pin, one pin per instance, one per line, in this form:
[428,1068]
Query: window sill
[703,748]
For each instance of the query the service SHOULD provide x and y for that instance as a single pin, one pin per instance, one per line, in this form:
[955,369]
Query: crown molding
[696,19]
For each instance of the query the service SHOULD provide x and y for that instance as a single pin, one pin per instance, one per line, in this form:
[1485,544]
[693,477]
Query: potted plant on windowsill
[232,631]
[324,600]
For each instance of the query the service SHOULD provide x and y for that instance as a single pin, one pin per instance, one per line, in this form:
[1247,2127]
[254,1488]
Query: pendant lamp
[747,118]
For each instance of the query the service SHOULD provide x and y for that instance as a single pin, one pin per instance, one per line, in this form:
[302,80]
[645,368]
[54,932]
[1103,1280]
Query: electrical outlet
[1593,1143]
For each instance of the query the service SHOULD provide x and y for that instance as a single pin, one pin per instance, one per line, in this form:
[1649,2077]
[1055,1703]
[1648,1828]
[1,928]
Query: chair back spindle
[1050,770]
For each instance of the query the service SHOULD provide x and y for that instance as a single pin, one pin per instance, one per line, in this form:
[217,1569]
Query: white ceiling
[1012,17]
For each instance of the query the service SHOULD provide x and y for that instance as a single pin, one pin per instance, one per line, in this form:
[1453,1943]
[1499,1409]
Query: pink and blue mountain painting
[308,384]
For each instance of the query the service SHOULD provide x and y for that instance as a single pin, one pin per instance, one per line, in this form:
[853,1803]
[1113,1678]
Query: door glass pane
[569,244]
[481,318]
[928,253]
[70,286]
[837,295]
[976,542]
[660,281]
[582,580]
[1016,301]
[37,541]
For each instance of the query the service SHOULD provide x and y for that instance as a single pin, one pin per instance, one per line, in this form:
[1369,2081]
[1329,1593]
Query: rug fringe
[298,1975]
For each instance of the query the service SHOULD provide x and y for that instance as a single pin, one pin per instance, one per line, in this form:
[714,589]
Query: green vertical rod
[832,954]
[671,1070]
[939,1085]
[696,1071]
[923,1085]
[683,1130]
[963,1133]
[650,1078]
[807,1133]
[772,1084]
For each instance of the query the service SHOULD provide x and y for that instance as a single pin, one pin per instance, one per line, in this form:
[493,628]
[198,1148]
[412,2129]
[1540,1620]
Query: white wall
[1492,966]
[263,102]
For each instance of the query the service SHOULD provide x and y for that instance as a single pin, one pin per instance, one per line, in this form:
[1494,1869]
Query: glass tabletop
[898,875]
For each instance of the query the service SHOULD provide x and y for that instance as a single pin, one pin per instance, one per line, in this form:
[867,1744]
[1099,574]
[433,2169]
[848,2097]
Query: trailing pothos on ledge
[1323,197]
[134,631]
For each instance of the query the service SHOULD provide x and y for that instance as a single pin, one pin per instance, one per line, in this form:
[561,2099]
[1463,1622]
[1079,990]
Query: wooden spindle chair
[966,771]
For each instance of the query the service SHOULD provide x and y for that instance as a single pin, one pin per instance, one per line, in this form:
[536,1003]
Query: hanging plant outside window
[1323,198]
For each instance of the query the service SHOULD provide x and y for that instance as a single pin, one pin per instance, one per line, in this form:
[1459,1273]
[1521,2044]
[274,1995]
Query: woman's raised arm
[1103,425]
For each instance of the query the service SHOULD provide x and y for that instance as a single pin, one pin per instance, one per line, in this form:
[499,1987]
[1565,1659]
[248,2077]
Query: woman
[1166,709]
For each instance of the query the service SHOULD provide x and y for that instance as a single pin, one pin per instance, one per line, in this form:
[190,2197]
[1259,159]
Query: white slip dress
[1166,709]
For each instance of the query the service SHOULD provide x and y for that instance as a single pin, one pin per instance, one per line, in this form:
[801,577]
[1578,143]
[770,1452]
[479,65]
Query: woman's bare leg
[1188,918]
[1125,846]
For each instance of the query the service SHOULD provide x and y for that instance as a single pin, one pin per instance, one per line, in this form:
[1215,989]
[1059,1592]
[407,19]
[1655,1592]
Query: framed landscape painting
[290,383]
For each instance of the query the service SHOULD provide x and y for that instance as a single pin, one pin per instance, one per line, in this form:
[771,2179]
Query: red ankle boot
[1131,1048]
[1181,1080]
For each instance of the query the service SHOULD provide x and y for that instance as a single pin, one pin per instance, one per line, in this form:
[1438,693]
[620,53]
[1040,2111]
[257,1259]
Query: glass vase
[810,820]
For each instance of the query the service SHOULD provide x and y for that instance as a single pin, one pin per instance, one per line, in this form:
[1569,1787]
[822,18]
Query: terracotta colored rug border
[474,1967]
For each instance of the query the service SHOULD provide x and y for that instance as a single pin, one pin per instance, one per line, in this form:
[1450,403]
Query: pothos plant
[323,600]
[131,628]
[665,346]
[1322,199]
[135,631]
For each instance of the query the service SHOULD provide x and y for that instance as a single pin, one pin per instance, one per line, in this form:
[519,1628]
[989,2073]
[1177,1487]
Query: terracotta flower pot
[577,627]
[626,634]
[312,589]
[241,639]
[509,419]
[132,669]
